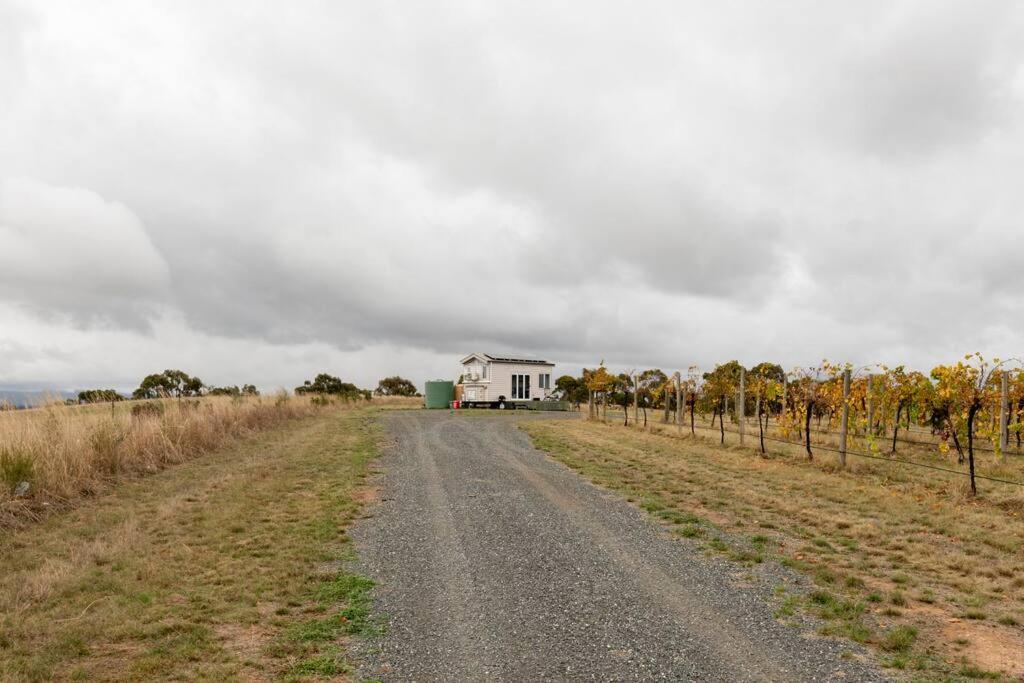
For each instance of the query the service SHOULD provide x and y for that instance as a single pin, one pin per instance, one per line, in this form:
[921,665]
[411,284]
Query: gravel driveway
[493,562]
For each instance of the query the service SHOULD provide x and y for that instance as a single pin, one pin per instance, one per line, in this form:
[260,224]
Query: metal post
[846,418]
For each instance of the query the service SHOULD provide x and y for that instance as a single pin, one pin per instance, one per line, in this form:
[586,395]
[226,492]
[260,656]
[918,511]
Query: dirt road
[495,563]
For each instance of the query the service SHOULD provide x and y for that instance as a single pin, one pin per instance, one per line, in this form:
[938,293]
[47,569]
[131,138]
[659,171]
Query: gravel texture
[494,562]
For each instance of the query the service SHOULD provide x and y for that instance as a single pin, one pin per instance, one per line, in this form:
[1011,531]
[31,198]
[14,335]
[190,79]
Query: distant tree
[169,383]
[99,396]
[250,390]
[572,389]
[396,386]
[329,385]
[224,391]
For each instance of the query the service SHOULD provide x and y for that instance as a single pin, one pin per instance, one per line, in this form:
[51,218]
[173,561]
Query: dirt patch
[248,644]
[365,495]
[990,647]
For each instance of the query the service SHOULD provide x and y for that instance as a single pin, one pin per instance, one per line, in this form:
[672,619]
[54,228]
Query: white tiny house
[495,380]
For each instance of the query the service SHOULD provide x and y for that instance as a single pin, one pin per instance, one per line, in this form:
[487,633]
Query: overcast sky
[255,191]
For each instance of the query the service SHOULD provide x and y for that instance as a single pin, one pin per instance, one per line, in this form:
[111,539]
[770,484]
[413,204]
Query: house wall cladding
[501,379]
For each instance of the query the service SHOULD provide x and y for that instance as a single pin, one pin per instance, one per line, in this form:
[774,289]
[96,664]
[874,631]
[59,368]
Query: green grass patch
[172,572]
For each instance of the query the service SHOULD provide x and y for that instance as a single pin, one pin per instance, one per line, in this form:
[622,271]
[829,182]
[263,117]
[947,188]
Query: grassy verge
[229,566]
[935,584]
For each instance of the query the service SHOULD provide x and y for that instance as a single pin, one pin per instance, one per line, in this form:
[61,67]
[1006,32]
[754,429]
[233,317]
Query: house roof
[499,359]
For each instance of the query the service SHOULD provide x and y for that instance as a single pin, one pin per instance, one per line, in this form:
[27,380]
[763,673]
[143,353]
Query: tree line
[179,384]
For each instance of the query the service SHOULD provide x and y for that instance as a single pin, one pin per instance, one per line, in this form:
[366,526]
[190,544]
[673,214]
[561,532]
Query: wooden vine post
[636,400]
[679,403]
[741,405]
[785,387]
[871,405]
[846,418]
[1004,412]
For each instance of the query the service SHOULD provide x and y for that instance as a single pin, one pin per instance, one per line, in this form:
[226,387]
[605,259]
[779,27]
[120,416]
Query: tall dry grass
[52,456]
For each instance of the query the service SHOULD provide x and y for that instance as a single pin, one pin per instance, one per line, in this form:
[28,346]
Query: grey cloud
[630,182]
[70,252]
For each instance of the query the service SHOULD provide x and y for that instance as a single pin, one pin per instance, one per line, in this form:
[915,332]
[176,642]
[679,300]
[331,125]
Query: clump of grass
[899,639]
[1008,620]
[690,531]
[746,557]
[788,607]
[324,666]
[824,576]
[718,544]
[676,517]
[974,672]
[897,598]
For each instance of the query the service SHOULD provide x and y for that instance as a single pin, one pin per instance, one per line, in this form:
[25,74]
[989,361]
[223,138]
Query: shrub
[147,410]
[15,467]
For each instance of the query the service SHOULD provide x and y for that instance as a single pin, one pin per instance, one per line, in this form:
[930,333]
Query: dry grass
[65,453]
[888,547]
[225,567]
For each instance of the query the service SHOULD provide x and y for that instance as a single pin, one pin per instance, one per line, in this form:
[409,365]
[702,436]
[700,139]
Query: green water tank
[439,393]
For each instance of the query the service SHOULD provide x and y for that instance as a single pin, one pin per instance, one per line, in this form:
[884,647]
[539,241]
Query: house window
[544,381]
[520,386]
[483,373]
